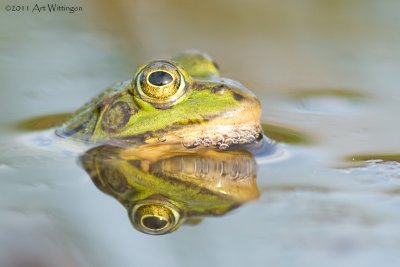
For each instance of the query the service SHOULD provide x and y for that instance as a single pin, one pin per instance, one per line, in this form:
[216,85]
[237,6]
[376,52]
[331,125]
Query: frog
[170,186]
[182,100]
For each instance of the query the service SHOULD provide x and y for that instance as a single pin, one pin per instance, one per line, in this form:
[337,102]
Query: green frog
[139,127]
[167,186]
[178,101]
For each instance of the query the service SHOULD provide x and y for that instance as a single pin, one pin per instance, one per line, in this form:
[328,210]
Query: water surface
[327,74]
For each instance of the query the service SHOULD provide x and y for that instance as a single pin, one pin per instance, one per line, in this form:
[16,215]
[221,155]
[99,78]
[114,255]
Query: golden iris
[154,218]
[160,83]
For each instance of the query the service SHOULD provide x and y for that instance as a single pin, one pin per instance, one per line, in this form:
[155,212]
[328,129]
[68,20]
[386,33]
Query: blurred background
[327,70]
[274,48]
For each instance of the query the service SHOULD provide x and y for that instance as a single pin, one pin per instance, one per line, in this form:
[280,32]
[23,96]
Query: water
[327,74]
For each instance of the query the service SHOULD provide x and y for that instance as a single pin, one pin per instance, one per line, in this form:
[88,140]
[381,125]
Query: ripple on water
[378,175]
[286,135]
[378,166]
[373,157]
[328,101]
[376,169]
[5,166]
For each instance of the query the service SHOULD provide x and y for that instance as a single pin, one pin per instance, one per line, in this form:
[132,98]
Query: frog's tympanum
[182,100]
[164,187]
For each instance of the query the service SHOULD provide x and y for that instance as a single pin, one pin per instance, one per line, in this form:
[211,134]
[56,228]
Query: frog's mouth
[221,136]
[234,127]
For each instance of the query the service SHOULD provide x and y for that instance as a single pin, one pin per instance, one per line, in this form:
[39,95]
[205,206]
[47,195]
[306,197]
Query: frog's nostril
[219,89]
[238,96]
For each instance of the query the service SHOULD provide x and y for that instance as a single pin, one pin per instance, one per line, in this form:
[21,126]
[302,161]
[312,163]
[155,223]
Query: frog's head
[182,100]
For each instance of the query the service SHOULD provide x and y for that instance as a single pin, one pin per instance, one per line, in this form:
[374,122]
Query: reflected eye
[160,83]
[154,218]
[154,223]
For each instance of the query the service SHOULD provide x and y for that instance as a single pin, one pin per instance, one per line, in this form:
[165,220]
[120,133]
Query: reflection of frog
[182,100]
[163,187]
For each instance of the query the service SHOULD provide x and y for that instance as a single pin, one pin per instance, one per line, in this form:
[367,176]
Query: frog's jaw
[236,126]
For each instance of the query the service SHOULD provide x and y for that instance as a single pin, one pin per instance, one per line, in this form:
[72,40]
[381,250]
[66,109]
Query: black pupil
[154,222]
[160,78]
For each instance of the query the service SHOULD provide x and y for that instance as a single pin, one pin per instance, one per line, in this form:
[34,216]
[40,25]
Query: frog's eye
[160,83]
[154,218]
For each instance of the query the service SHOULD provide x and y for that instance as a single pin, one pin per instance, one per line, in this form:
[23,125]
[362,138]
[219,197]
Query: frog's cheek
[117,116]
[154,217]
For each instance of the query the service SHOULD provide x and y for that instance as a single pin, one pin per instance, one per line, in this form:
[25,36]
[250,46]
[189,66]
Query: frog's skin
[182,100]
[164,187]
